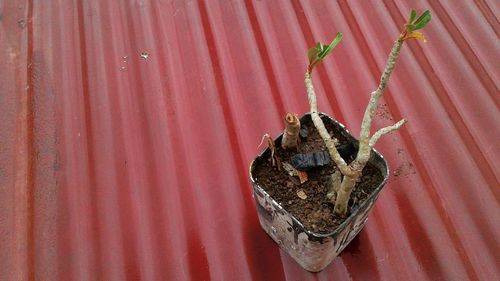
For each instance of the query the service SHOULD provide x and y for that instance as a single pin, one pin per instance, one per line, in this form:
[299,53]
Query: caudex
[340,187]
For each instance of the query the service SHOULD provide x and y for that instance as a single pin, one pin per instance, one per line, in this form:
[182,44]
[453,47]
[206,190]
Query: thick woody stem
[291,134]
[320,126]
[344,194]
[385,131]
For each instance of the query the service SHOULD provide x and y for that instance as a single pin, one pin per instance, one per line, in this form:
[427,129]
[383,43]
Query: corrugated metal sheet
[117,167]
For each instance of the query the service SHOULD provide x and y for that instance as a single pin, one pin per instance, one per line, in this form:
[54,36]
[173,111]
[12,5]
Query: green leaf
[423,20]
[319,51]
[413,14]
[328,48]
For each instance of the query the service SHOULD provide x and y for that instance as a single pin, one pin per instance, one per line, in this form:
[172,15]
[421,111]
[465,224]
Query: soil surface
[316,211]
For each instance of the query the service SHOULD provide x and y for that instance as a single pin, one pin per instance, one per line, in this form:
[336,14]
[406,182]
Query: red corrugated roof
[117,167]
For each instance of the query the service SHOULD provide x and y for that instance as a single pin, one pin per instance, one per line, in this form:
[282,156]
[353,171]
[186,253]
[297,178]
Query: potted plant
[315,184]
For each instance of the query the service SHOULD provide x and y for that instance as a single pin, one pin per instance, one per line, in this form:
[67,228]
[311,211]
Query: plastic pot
[313,251]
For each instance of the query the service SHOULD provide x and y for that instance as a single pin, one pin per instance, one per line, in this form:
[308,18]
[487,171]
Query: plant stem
[375,96]
[320,126]
[344,194]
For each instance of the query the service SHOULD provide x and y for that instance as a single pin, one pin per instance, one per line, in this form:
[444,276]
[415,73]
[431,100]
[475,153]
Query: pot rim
[353,212]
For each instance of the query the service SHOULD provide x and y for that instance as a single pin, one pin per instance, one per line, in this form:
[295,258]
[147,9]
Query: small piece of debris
[301,194]
[145,55]
[305,161]
[383,112]
[289,168]
[405,169]
[21,23]
[302,176]
[294,172]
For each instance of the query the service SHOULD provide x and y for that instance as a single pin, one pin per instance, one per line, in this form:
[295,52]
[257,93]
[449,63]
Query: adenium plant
[341,187]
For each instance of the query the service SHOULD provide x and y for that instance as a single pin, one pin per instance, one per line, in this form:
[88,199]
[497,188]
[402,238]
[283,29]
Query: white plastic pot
[313,251]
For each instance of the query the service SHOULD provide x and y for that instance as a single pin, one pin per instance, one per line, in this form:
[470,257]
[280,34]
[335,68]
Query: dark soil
[316,211]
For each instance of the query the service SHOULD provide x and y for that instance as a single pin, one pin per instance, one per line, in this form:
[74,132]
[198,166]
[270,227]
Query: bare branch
[385,131]
[364,147]
[320,126]
[311,95]
[375,96]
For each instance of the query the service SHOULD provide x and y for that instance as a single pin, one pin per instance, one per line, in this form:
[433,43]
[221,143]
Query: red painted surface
[115,167]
